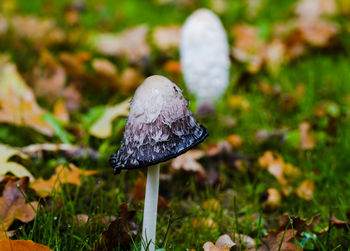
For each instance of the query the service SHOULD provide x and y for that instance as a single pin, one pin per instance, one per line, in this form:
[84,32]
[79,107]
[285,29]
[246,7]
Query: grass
[326,77]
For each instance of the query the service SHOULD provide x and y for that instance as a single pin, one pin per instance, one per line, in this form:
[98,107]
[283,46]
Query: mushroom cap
[204,52]
[159,127]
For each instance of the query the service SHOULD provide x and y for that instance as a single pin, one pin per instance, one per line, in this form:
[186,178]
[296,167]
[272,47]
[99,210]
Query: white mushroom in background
[204,53]
[160,127]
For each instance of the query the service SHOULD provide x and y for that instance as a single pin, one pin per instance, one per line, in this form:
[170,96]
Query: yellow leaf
[63,175]
[18,104]
[60,111]
[22,245]
[102,128]
[12,167]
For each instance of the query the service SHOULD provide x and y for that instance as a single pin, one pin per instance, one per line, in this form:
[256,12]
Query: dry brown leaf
[13,205]
[17,102]
[42,32]
[106,72]
[307,140]
[73,64]
[22,245]
[131,43]
[49,77]
[273,200]
[306,189]
[72,97]
[63,175]
[60,111]
[120,232]
[218,148]
[223,243]
[282,171]
[297,223]
[102,128]
[248,47]
[317,32]
[188,162]
[274,240]
[167,37]
[316,8]
[130,80]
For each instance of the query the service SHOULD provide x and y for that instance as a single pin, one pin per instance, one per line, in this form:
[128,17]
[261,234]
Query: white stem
[150,209]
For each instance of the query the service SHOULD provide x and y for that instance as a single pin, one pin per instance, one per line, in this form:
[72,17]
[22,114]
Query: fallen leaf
[281,170]
[131,43]
[306,189]
[317,32]
[60,111]
[340,224]
[12,167]
[188,162]
[273,199]
[173,67]
[72,97]
[22,245]
[212,204]
[130,80]
[282,240]
[315,8]
[223,243]
[13,205]
[221,147]
[63,175]
[244,241]
[68,150]
[49,77]
[167,37]
[42,32]
[205,223]
[17,102]
[106,72]
[297,223]
[102,128]
[239,103]
[120,232]
[235,140]
[307,140]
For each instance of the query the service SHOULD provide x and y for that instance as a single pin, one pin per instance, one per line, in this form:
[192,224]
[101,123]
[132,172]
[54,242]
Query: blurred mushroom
[159,127]
[204,54]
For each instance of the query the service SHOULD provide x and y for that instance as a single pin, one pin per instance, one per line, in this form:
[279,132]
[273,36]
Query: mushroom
[159,127]
[204,53]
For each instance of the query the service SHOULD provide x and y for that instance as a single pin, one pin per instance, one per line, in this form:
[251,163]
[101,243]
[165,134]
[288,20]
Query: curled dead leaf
[188,162]
[306,189]
[223,243]
[18,104]
[131,43]
[167,37]
[102,128]
[12,203]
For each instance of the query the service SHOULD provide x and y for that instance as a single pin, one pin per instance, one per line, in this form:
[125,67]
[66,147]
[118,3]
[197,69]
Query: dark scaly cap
[159,127]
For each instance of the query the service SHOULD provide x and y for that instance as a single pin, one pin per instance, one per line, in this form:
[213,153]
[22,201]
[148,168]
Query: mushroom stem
[150,209]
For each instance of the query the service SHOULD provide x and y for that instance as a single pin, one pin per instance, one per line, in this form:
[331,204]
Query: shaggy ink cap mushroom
[204,55]
[159,127]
